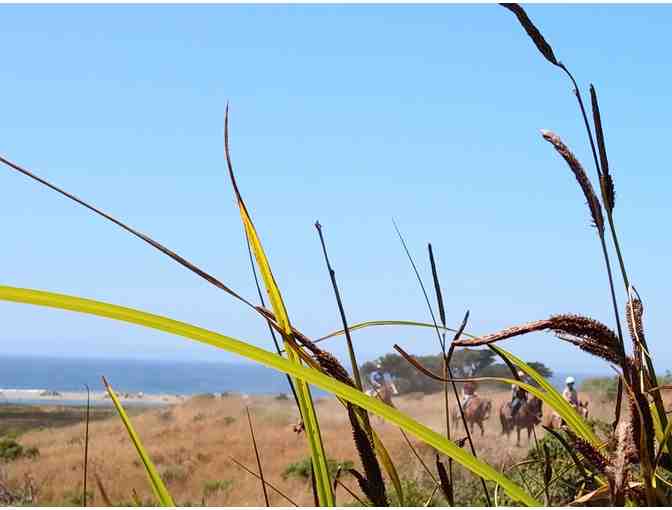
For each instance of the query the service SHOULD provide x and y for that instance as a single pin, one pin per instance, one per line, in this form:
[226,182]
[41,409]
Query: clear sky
[347,114]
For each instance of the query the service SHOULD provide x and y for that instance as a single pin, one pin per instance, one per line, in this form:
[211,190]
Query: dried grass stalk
[624,454]
[581,177]
[588,334]
[446,486]
[592,455]
[375,486]
[640,413]
[538,39]
[634,311]
[606,181]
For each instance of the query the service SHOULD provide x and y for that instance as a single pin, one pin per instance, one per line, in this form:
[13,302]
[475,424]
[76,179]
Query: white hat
[521,373]
[569,380]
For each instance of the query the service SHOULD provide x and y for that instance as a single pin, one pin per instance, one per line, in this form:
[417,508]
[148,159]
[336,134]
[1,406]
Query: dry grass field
[192,443]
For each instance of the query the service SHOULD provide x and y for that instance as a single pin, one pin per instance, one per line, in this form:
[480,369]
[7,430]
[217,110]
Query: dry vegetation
[192,444]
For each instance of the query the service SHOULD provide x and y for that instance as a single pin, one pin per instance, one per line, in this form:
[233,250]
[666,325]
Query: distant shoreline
[75,398]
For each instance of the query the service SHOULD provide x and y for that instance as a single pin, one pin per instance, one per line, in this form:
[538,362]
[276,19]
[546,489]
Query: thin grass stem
[266,482]
[256,454]
[86,442]
[447,364]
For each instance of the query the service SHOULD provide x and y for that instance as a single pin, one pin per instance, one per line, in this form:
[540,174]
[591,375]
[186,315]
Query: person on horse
[377,378]
[382,384]
[468,392]
[570,394]
[518,394]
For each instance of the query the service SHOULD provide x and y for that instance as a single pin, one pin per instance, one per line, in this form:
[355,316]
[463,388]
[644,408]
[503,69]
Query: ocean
[148,376]
[151,376]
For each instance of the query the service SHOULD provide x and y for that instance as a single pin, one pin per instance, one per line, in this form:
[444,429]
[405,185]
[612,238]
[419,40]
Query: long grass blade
[307,408]
[256,454]
[103,492]
[160,491]
[567,412]
[177,258]
[371,324]
[388,465]
[266,482]
[554,399]
[266,358]
[341,310]
[270,326]
[446,359]
[86,443]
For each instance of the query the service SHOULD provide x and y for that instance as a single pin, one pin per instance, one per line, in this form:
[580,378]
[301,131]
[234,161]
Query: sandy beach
[45,396]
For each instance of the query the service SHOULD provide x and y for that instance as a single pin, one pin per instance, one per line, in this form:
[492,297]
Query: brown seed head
[533,32]
[606,181]
[634,311]
[581,177]
[586,333]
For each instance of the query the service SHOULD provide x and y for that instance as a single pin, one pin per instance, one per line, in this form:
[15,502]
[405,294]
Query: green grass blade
[369,324]
[388,466]
[160,491]
[269,359]
[305,399]
[554,399]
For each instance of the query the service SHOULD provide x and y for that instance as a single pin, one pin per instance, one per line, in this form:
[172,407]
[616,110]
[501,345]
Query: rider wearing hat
[468,392]
[377,378]
[380,381]
[570,394]
[518,394]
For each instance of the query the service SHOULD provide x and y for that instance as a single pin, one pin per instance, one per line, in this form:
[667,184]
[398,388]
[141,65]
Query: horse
[556,422]
[528,416]
[476,411]
[384,393]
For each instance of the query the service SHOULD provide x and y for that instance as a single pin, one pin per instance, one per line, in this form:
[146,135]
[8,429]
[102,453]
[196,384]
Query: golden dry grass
[191,444]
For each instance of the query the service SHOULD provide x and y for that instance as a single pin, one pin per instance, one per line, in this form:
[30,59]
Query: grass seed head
[581,176]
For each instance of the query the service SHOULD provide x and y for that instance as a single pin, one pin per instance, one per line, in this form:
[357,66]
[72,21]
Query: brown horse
[555,421]
[529,414]
[476,411]
[384,393]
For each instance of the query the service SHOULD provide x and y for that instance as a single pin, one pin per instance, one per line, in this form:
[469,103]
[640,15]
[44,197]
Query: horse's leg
[480,424]
[518,436]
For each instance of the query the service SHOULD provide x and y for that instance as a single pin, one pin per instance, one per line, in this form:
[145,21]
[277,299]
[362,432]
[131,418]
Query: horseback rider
[518,394]
[468,392]
[377,378]
[570,394]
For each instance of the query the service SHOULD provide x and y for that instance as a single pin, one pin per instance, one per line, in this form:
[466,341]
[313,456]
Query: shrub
[226,421]
[11,449]
[216,486]
[417,493]
[74,498]
[302,468]
[174,473]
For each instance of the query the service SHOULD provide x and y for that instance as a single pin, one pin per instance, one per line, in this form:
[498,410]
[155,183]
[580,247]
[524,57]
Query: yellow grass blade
[369,324]
[388,466]
[160,491]
[554,399]
[311,376]
[305,400]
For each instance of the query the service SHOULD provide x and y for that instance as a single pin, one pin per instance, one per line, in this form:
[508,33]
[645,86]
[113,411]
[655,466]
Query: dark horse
[529,414]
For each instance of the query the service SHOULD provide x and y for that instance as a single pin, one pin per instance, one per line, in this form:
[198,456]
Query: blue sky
[349,114]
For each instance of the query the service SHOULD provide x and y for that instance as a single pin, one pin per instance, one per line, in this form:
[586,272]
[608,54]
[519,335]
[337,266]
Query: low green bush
[302,468]
[216,486]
